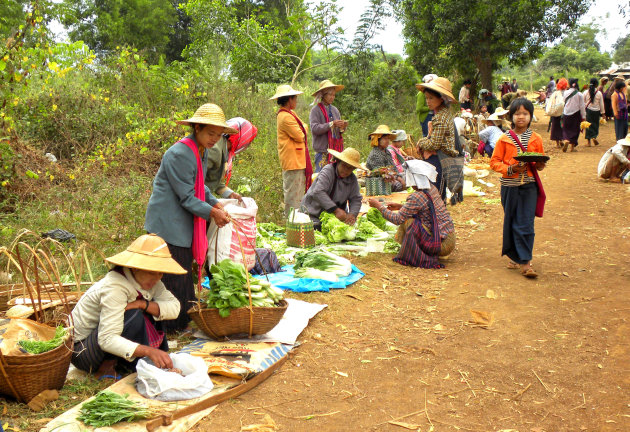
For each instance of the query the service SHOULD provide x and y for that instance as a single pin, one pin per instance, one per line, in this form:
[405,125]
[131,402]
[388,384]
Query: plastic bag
[155,383]
[224,242]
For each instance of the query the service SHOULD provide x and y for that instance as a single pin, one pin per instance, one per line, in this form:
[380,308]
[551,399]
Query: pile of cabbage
[372,225]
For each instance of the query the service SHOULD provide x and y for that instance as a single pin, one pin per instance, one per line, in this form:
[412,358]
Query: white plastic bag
[224,242]
[155,383]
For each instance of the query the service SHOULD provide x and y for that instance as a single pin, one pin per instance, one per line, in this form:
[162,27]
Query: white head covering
[419,173]
[429,78]
[401,135]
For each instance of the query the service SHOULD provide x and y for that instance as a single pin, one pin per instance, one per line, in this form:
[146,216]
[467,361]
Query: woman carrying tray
[424,210]
[519,189]
[336,189]
[121,317]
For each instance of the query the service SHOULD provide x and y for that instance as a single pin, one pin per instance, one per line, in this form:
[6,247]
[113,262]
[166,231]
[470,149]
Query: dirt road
[556,357]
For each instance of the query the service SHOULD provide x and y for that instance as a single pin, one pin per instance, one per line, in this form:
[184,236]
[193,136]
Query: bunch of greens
[335,230]
[366,229]
[391,246]
[375,216]
[321,261]
[320,238]
[531,154]
[269,229]
[37,347]
[109,408]
[228,289]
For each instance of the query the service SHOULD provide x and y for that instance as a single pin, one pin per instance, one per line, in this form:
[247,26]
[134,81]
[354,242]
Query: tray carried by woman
[531,157]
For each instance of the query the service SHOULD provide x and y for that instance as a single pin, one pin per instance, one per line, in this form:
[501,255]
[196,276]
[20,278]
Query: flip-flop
[512,265]
[108,376]
[530,273]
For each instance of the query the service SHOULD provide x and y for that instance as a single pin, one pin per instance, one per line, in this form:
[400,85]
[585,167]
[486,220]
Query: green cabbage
[375,216]
[335,230]
[366,229]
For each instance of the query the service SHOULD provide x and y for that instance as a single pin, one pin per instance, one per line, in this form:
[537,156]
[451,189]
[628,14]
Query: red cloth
[154,335]
[200,239]
[333,143]
[239,141]
[308,171]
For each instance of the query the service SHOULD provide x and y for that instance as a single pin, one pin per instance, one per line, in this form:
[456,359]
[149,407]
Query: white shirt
[490,135]
[618,151]
[103,306]
[574,104]
[464,94]
[597,104]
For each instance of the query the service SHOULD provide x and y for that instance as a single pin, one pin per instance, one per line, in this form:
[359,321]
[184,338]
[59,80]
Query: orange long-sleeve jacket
[505,150]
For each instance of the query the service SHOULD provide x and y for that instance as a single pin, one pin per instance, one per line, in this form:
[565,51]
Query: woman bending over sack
[426,229]
[335,189]
[121,317]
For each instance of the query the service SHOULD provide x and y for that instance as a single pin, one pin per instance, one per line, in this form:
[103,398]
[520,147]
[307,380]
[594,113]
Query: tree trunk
[485,69]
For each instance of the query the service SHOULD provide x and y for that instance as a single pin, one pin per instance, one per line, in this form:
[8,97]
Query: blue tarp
[285,280]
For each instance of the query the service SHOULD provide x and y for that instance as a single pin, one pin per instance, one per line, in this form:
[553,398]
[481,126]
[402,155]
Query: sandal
[529,273]
[512,265]
[115,377]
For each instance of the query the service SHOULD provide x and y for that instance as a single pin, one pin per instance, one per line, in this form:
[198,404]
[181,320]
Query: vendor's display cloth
[287,280]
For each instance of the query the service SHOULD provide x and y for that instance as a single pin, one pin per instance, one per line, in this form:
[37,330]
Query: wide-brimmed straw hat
[501,111]
[285,90]
[383,130]
[492,117]
[148,252]
[326,84]
[209,114]
[440,85]
[349,156]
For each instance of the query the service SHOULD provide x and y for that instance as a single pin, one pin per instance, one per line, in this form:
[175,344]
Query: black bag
[265,259]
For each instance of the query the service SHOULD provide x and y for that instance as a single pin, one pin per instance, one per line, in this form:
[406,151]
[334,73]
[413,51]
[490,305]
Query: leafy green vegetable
[228,289]
[313,273]
[375,216]
[320,238]
[366,229]
[335,230]
[109,408]
[323,260]
[37,347]
[391,246]
[531,154]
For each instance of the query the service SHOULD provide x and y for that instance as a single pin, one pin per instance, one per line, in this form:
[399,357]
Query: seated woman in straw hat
[380,157]
[295,159]
[326,124]
[121,317]
[336,189]
[426,229]
[180,203]
[442,135]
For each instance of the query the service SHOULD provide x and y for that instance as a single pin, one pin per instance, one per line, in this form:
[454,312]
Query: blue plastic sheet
[287,281]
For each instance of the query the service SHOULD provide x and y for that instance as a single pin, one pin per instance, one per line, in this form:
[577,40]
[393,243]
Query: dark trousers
[88,356]
[621,128]
[181,286]
[439,183]
[519,207]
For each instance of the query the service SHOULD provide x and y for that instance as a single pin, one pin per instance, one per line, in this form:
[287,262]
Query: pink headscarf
[239,141]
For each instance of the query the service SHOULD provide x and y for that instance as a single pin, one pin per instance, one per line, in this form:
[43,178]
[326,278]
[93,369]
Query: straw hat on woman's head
[327,84]
[349,156]
[492,118]
[440,85]
[381,131]
[148,252]
[209,114]
[285,90]
[501,111]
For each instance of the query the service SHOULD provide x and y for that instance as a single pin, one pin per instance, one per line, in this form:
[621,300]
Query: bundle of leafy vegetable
[531,154]
[321,264]
[335,230]
[375,216]
[37,347]
[228,289]
[392,246]
[109,408]
[366,229]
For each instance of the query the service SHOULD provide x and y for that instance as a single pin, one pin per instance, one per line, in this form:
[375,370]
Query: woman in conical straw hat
[380,157]
[121,317]
[336,189]
[179,206]
[326,124]
[442,131]
[295,159]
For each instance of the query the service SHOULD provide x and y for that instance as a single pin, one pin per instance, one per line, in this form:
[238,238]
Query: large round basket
[25,376]
[262,320]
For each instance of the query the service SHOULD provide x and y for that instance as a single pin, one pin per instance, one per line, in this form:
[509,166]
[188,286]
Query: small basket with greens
[236,303]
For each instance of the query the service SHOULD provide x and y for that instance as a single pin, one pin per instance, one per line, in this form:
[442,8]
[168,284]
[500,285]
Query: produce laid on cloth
[33,346]
[109,408]
[321,264]
[228,289]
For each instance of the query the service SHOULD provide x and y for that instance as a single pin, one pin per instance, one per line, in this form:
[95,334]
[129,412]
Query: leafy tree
[143,24]
[583,38]
[578,49]
[442,35]
[622,49]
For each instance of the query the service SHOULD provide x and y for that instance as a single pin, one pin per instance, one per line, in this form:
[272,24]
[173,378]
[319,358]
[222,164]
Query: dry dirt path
[556,357]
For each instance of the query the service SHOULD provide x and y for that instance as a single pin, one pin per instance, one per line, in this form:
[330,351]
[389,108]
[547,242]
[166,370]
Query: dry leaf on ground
[268,426]
[482,318]
[405,425]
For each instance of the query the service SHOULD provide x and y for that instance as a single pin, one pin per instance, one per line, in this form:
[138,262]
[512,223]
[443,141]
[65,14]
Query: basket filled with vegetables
[236,303]
[30,365]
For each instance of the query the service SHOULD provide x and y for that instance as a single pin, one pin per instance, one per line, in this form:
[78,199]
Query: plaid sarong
[420,248]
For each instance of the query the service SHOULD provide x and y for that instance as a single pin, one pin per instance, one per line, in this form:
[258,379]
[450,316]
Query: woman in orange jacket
[519,191]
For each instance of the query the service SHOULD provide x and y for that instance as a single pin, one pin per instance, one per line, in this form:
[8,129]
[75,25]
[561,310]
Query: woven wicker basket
[377,186]
[212,324]
[25,376]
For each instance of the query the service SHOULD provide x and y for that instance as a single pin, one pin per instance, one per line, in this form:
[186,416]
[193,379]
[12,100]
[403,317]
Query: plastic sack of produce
[188,380]
[224,242]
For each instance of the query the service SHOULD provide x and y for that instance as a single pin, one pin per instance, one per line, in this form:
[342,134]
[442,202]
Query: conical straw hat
[328,84]
[440,85]
[383,130]
[148,252]
[349,156]
[285,90]
[209,114]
